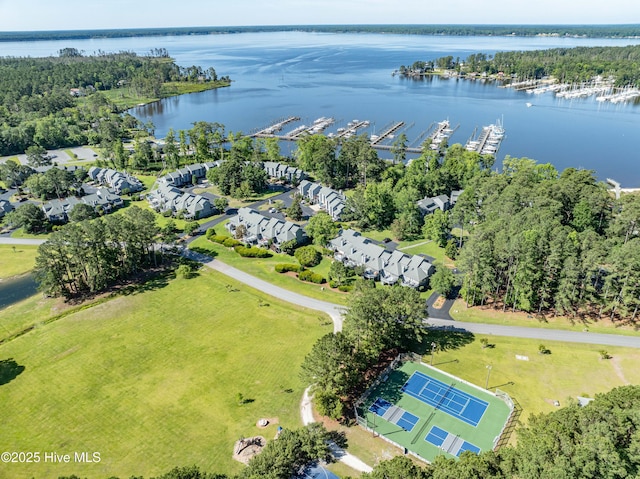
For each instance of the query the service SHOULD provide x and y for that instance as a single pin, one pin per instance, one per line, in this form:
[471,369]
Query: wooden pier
[270,131]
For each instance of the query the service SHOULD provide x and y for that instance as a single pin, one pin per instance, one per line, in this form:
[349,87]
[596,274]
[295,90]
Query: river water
[348,76]
[16,289]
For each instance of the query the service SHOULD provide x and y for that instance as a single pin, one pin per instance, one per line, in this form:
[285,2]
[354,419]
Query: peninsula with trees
[73,99]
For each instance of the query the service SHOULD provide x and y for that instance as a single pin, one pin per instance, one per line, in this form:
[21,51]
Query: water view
[348,76]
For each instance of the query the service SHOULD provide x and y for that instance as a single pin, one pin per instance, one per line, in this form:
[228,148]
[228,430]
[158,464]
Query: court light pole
[433,350]
[489,367]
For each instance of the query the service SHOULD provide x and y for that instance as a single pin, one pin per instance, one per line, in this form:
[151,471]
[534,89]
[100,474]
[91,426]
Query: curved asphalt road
[336,312]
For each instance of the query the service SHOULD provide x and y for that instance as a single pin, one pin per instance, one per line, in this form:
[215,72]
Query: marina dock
[489,140]
[436,132]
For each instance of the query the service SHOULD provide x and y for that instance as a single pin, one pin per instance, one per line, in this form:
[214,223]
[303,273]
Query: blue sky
[91,14]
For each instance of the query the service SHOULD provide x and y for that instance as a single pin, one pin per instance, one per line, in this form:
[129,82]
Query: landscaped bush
[312,277]
[219,238]
[231,242]
[289,247]
[252,252]
[333,283]
[345,288]
[210,232]
[286,267]
[308,256]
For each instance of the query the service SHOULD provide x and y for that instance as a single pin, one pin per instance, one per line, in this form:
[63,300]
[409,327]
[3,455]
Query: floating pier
[441,132]
[489,140]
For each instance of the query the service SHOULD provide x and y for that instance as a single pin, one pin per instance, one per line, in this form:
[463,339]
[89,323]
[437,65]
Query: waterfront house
[263,230]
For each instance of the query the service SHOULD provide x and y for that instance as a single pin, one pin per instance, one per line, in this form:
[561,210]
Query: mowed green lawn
[264,268]
[15,260]
[570,370]
[151,380]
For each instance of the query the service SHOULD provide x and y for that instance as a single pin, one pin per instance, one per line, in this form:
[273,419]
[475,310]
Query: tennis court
[431,413]
[446,397]
[394,414]
[449,443]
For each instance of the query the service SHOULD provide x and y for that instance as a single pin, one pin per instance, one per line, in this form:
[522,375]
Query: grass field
[15,260]
[151,380]
[126,97]
[570,370]
[477,314]
[264,268]
[488,428]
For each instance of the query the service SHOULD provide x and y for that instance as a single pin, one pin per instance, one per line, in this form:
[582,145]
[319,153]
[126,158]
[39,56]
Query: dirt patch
[245,449]
[439,303]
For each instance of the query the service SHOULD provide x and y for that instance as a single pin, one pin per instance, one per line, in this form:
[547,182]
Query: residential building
[103,201]
[390,267]
[263,229]
[428,205]
[116,180]
[170,198]
[184,176]
[5,207]
[280,171]
[332,201]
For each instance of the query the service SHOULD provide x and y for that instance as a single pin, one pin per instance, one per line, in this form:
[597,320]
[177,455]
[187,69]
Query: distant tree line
[546,242]
[38,106]
[588,31]
[569,65]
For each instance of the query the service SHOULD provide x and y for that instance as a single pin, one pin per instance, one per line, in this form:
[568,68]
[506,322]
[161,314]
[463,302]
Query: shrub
[308,256]
[333,283]
[219,238]
[252,252]
[312,277]
[289,247]
[210,232]
[191,227]
[305,275]
[286,267]
[231,242]
[345,288]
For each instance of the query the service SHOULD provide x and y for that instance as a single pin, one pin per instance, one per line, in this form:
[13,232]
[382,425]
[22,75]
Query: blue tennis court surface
[449,443]
[394,414]
[436,436]
[380,406]
[408,421]
[445,397]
